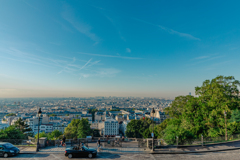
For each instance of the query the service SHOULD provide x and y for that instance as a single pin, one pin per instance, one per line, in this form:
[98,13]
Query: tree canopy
[137,128]
[23,127]
[204,114]
[11,114]
[78,129]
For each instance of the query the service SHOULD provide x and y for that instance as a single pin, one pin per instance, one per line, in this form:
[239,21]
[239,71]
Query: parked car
[80,152]
[7,149]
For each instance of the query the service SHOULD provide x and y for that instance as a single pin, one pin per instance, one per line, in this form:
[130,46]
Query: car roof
[2,143]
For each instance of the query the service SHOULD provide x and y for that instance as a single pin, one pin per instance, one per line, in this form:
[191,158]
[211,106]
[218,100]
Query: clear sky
[158,48]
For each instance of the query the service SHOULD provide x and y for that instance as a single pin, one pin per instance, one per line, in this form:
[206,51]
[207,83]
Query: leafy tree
[235,116]
[160,128]
[67,115]
[11,114]
[78,129]
[95,133]
[115,110]
[147,133]
[41,134]
[177,106]
[92,111]
[204,114]
[84,129]
[71,130]
[11,133]
[54,134]
[23,127]
[52,115]
[136,128]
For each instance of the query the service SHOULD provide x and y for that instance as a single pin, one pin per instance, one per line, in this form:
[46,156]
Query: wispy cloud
[203,59]
[169,30]
[83,28]
[128,50]
[110,56]
[85,64]
[102,72]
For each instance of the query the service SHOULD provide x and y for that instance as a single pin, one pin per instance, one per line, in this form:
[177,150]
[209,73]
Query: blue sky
[115,48]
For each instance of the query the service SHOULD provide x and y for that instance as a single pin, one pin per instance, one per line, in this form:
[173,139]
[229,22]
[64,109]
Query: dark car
[80,152]
[7,149]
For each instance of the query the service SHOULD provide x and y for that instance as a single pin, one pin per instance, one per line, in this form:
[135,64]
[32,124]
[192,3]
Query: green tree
[136,128]
[41,134]
[11,133]
[235,116]
[204,114]
[11,114]
[95,133]
[78,129]
[54,135]
[84,129]
[71,131]
[52,115]
[92,111]
[23,127]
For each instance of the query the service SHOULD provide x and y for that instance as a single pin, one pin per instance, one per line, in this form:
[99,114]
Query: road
[229,155]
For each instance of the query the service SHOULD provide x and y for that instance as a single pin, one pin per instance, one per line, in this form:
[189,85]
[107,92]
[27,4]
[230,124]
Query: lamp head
[153,111]
[39,112]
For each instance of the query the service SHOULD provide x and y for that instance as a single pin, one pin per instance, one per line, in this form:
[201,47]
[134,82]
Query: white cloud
[128,50]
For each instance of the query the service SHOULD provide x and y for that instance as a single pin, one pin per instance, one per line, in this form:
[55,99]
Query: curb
[189,152]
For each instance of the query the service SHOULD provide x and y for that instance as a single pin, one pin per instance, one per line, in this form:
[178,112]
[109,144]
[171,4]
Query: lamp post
[153,112]
[39,114]
[225,116]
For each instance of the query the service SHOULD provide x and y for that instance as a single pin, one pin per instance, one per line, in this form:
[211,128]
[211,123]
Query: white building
[111,127]
[47,128]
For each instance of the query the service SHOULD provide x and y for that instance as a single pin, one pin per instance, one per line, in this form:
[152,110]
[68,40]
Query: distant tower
[190,93]
[14,103]
[18,103]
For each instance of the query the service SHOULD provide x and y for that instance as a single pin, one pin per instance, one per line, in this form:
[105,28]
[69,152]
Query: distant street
[229,155]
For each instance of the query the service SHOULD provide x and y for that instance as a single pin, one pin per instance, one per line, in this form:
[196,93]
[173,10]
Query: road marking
[152,156]
[55,156]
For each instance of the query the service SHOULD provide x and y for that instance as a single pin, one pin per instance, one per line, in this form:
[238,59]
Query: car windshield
[85,148]
[9,145]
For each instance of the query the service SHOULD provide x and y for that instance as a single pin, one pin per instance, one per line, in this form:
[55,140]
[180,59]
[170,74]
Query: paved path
[229,155]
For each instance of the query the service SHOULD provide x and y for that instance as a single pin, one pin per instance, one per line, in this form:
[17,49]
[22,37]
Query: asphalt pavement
[229,155]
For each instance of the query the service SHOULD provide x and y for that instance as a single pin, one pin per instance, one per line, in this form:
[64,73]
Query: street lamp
[225,116]
[39,114]
[153,112]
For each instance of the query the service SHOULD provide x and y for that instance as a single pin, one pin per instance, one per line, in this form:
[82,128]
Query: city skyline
[105,48]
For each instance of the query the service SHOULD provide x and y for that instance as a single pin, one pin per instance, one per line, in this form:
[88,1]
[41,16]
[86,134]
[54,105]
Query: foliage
[11,114]
[67,115]
[92,111]
[204,114]
[136,128]
[52,115]
[115,110]
[78,129]
[235,116]
[54,135]
[23,127]
[11,133]
[95,133]
[41,134]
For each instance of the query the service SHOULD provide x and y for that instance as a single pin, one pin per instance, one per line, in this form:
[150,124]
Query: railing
[20,142]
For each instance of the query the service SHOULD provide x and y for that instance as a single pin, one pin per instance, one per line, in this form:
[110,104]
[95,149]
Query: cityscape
[121,80]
